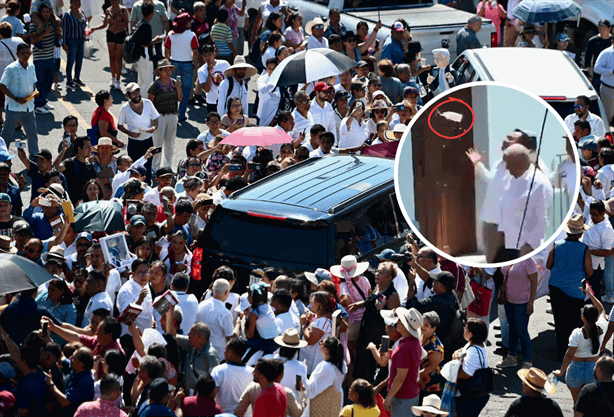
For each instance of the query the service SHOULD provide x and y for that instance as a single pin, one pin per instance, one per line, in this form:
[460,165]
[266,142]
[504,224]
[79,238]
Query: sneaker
[527,365]
[48,107]
[118,85]
[607,300]
[79,82]
[57,87]
[112,83]
[41,110]
[549,310]
[71,85]
[510,361]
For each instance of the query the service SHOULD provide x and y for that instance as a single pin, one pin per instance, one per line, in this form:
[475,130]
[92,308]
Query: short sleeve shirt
[406,356]
[518,284]
[349,289]
[271,402]
[584,346]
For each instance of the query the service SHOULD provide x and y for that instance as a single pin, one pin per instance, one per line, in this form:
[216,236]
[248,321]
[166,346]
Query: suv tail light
[493,39]
[553,98]
[265,216]
[610,137]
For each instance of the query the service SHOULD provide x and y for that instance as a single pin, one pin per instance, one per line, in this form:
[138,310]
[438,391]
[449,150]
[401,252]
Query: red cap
[321,86]
[7,401]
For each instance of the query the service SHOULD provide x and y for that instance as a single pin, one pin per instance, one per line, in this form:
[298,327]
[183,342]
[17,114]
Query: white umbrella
[311,65]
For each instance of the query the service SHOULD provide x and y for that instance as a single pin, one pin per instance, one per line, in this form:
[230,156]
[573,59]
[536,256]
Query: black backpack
[130,53]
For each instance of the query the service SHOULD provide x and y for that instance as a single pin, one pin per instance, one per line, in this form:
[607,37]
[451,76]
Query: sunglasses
[318,27]
[577,106]
[351,40]
[194,165]
[83,245]
[379,111]
[303,102]
[376,85]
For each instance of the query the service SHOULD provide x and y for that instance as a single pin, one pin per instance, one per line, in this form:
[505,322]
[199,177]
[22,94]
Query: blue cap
[139,170]
[138,219]
[562,37]
[84,235]
[4,197]
[589,144]
[7,370]
[5,156]
[385,255]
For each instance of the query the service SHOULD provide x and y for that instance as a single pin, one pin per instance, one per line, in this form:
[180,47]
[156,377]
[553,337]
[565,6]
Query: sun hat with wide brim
[349,267]
[575,225]
[317,277]
[291,339]
[398,128]
[377,105]
[5,245]
[105,142]
[315,22]
[240,62]
[411,319]
[430,404]
[165,63]
[535,378]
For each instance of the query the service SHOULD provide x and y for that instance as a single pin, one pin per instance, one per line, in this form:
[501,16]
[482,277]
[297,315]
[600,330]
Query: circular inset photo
[487,174]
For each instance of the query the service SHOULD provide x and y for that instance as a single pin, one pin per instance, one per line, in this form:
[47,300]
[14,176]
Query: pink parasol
[257,136]
[384,150]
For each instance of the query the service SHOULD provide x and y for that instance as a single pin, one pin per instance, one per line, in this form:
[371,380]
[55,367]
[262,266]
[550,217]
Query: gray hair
[474,19]
[433,318]
[220,286]
[202,329]
[518,150]
[402,68]
[153,366]
[178,314]
[199,5]
[299,94]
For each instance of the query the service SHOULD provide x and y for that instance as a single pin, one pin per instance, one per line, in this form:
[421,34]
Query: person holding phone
[353,130]
[235,117]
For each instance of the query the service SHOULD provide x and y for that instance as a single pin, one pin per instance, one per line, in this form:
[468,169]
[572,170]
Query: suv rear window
[242,235]
[565,108]
[366,4]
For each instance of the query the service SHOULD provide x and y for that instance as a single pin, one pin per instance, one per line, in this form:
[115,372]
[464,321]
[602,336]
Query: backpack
[130,54]
[454,338]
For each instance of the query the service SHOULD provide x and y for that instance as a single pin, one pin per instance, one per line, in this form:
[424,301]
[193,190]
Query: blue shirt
[331,31]
[393,51]
[64,313]
[79,389]
[156,410]
[15,23]
[20,82]
[40,225]
[567,270]
[31,393]
[15,195]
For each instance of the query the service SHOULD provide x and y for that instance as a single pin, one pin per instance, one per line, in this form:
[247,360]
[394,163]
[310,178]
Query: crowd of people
[387,337]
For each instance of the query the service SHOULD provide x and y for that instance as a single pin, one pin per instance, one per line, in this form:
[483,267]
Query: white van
[550,74]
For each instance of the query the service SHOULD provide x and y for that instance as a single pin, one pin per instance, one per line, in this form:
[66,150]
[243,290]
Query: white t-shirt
[181,45]
[356,136]
[269,53]
[585,346]
[312,354]
[207,137]
[152,196]
[231,381]
[218,69]
[266,324]
[219,319]
[287,321]
[599,236]
[134,121]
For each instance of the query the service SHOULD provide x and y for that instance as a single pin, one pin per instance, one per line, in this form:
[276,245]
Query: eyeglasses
[318,27]
[213,123]
[142,274]
[380,111]
[194,165]
[577,106]
[303,102]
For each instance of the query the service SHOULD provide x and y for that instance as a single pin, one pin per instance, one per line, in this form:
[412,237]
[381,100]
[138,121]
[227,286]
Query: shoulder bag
[480,384]
[502,296]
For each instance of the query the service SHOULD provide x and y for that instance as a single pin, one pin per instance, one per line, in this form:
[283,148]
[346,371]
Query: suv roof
[557,74]
[316,188]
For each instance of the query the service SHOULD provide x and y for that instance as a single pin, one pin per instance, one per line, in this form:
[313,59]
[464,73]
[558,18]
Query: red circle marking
[451,99]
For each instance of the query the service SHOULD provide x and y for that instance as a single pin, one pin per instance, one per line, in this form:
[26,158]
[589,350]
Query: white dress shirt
[355,136]
[422,290]
[128,294]
[599,236]
[324,116]
[401,285]
[152,196]
[597,127]
[301,124]
[287,321]
[100,300]
[606,176]
[219,319]
[512,207]
[189,308]
[121,177]
[604,65]
[269,98]
[313,43]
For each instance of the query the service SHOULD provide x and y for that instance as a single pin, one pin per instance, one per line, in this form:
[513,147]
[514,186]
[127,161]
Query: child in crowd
[261,328]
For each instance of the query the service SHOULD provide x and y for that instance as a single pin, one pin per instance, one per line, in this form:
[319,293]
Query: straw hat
[411,319]
[398,128]
[430,404]
[105,142]
[165,63]
[575,225]
[57,252]
[291,339]
[240,63]
[535,378]
[315,22]
[378,104]
[349,267]
[5,245]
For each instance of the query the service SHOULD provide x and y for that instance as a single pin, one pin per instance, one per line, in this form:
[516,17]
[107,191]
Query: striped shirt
[48,48]
[73,28]
[221,35]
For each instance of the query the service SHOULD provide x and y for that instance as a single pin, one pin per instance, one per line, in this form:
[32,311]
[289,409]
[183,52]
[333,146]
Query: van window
[369,227]
[464,69]
[245,236]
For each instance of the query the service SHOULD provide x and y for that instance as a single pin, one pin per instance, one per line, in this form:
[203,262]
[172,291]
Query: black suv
[307,216]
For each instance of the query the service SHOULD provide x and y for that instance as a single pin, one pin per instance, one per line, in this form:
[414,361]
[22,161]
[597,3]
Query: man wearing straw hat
[532,403]
[316,29]
[235,84]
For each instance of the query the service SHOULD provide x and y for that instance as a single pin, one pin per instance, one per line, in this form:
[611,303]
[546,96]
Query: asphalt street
[81,103]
